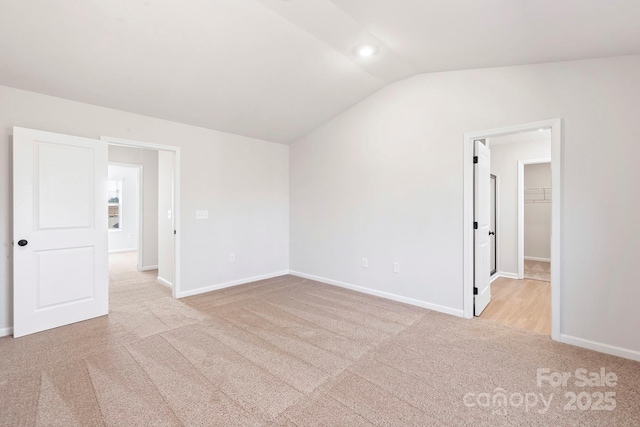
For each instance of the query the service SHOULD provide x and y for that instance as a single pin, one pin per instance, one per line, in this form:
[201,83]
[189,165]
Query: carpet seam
[95,394]
[396,395]
[146,374]
[261,367]
[302,339]
[355,309]
[199,373]
[391,394]
[280,348]
[243,292]
[302,393]
[266,342]
[329,314]
[340,316]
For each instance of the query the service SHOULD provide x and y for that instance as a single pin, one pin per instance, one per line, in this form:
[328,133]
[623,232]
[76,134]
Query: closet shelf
[537,195]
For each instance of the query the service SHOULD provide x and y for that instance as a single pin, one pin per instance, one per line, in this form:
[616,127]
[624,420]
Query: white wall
[166,246]
[148,159]
[537,216]
[384,181]
[125,238]
[504,163]
[243,182]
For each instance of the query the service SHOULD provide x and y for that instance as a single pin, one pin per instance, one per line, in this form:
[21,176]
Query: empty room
[319,213]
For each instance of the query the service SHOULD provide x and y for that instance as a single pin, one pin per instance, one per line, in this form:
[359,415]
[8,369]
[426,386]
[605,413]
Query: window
[114,196]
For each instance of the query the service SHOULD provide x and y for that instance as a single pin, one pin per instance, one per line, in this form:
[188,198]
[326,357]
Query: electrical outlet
[202,214]
[169,214]
[232,257]
[128,235]
[396,267]
[365,263]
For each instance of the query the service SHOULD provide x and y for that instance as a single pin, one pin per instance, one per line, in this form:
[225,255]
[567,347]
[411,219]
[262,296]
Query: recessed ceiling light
[366,51]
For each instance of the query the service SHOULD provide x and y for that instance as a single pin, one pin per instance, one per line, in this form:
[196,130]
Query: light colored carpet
[537,270]
[290,351]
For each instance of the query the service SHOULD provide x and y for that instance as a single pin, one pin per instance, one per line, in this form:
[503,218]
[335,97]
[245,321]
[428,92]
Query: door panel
[60,217]
[65,186]
[53,266]
[482,213]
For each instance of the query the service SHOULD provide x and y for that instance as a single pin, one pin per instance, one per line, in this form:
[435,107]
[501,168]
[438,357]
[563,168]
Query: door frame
[556,212]
[521,165]
[497,224]
[175,292]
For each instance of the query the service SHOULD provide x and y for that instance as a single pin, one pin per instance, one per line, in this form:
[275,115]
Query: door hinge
[475,225]
[475,290]
[475,159]
[174,232]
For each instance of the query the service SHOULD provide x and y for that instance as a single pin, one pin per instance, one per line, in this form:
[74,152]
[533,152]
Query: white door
[60,230]
[482,224]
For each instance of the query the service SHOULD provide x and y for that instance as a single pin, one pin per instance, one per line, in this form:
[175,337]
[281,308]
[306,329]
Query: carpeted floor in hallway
[291,351]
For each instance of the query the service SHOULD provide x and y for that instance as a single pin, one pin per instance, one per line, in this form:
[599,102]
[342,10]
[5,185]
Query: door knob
[22,242]
[492,233]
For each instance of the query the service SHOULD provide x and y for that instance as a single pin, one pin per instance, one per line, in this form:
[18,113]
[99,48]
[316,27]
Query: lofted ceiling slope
[276,69]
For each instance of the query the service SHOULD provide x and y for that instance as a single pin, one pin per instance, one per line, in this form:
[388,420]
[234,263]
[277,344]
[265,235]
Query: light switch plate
[202,214]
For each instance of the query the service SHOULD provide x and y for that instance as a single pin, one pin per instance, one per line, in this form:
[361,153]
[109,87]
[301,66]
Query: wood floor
[524,304]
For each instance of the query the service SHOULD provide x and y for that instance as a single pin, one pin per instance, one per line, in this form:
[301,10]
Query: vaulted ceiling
[276,69]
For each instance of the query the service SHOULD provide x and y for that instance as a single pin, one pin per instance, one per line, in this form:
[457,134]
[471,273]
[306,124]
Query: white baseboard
[165,282]
[387,295]
[5,332]
[232,283]
[533,258]
[507,275]
[149,267]
[602,348]
[117,251]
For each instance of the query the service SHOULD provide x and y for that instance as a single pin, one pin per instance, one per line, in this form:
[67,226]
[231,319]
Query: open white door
[482,224]
[60,230]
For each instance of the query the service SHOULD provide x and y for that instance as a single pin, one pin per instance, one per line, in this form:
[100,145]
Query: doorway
[141,235]
[124,194]
[158,250]
[522,300]
[471,280]
[62,215]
